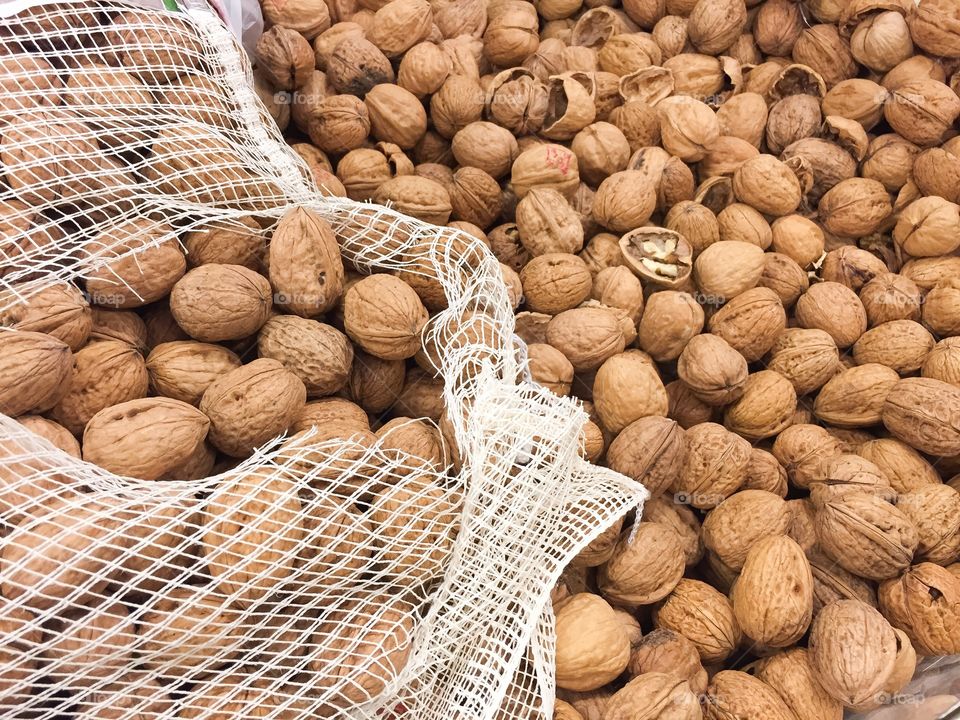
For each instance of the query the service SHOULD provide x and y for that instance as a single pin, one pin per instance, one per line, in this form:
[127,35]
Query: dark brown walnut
[658,255]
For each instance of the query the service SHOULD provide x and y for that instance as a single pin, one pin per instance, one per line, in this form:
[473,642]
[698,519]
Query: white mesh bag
[319,578]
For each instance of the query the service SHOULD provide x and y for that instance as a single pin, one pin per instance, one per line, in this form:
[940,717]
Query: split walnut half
[658,255]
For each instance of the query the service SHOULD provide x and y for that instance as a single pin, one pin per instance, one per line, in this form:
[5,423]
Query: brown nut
[658,255]
[592,645]
[221,302]
[712,369]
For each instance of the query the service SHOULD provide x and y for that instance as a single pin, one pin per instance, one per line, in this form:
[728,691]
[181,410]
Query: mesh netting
[320,577]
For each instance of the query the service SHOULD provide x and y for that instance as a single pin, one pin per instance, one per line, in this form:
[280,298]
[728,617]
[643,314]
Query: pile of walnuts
[733,230]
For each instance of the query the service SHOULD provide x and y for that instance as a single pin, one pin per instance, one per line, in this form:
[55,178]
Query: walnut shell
[646,565]
[318,354]
[592,645]
[306,271]
[855,207]
[924,602]
[834,308]
[252,404]
[36,371]
[935,511]
[866,535]
[924,413]
[73,569]
[808,358]
[586,336]
[671,319]
[773,596]
[239,243]
[856,396]
[384,316]
[545,165]
[626,388]
[90,644]
[791,674]
[650,450]
[251,528]
[417,196]
[654,694]
[803,450]
[124,438]
[751,322]
[183,369]
[188,632]
[356,65]
[134,279]
[727,268]
[396,115]
[902,345]
[852,650]
[739,522]
[59,310]
[104,374]
[714,371]
[547,223]
[702,615]
[733,693]
[221,302]
[555,282]
[714,468]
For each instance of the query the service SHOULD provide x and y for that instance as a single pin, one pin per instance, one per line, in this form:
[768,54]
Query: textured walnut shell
[659,256]
[687,127]
[545,165]
[924,413]
[134,280]
[768,185]
[808,358]
[928,227]
[36,371]
[650,450]
[739,522]
[318,354]
[702,615]
[183,369]
[803,449]
[353,663]
[547,223]
[384,316]
[733,693]
[417,196]
[671,319]
[306,272]
[727,268]
[251,528]
[751,322]
[586,336]
[922,111]
[221,302]
[154,48]
[715,466]
[627,387]
[903,466]
[374,383]
[58,310]
[924,602]
[653,695]
[285,57]
[555,282]
[104,374]
[856,397]
[831,582]
[773,596]
[714,371]
[356,65]
[592,645]
[791,674]
[396,115]
[866,535]
[240,243]
[646,565]
[835,309]
[935,511]
[188,632]
[39,574]
[902,345]
[251,404]
[125,438]
[891,296]
[766,473]
[765,408]
[852,650]
[88,645]
[854,207]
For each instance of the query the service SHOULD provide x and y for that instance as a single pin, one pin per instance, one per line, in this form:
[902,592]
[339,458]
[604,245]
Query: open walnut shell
[650,84]
[797,80]
[570,105]
[658,255]
[716,193]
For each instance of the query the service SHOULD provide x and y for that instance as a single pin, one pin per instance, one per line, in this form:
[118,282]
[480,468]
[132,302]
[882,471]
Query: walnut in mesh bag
[111,101]
[359,649]
[153,47]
